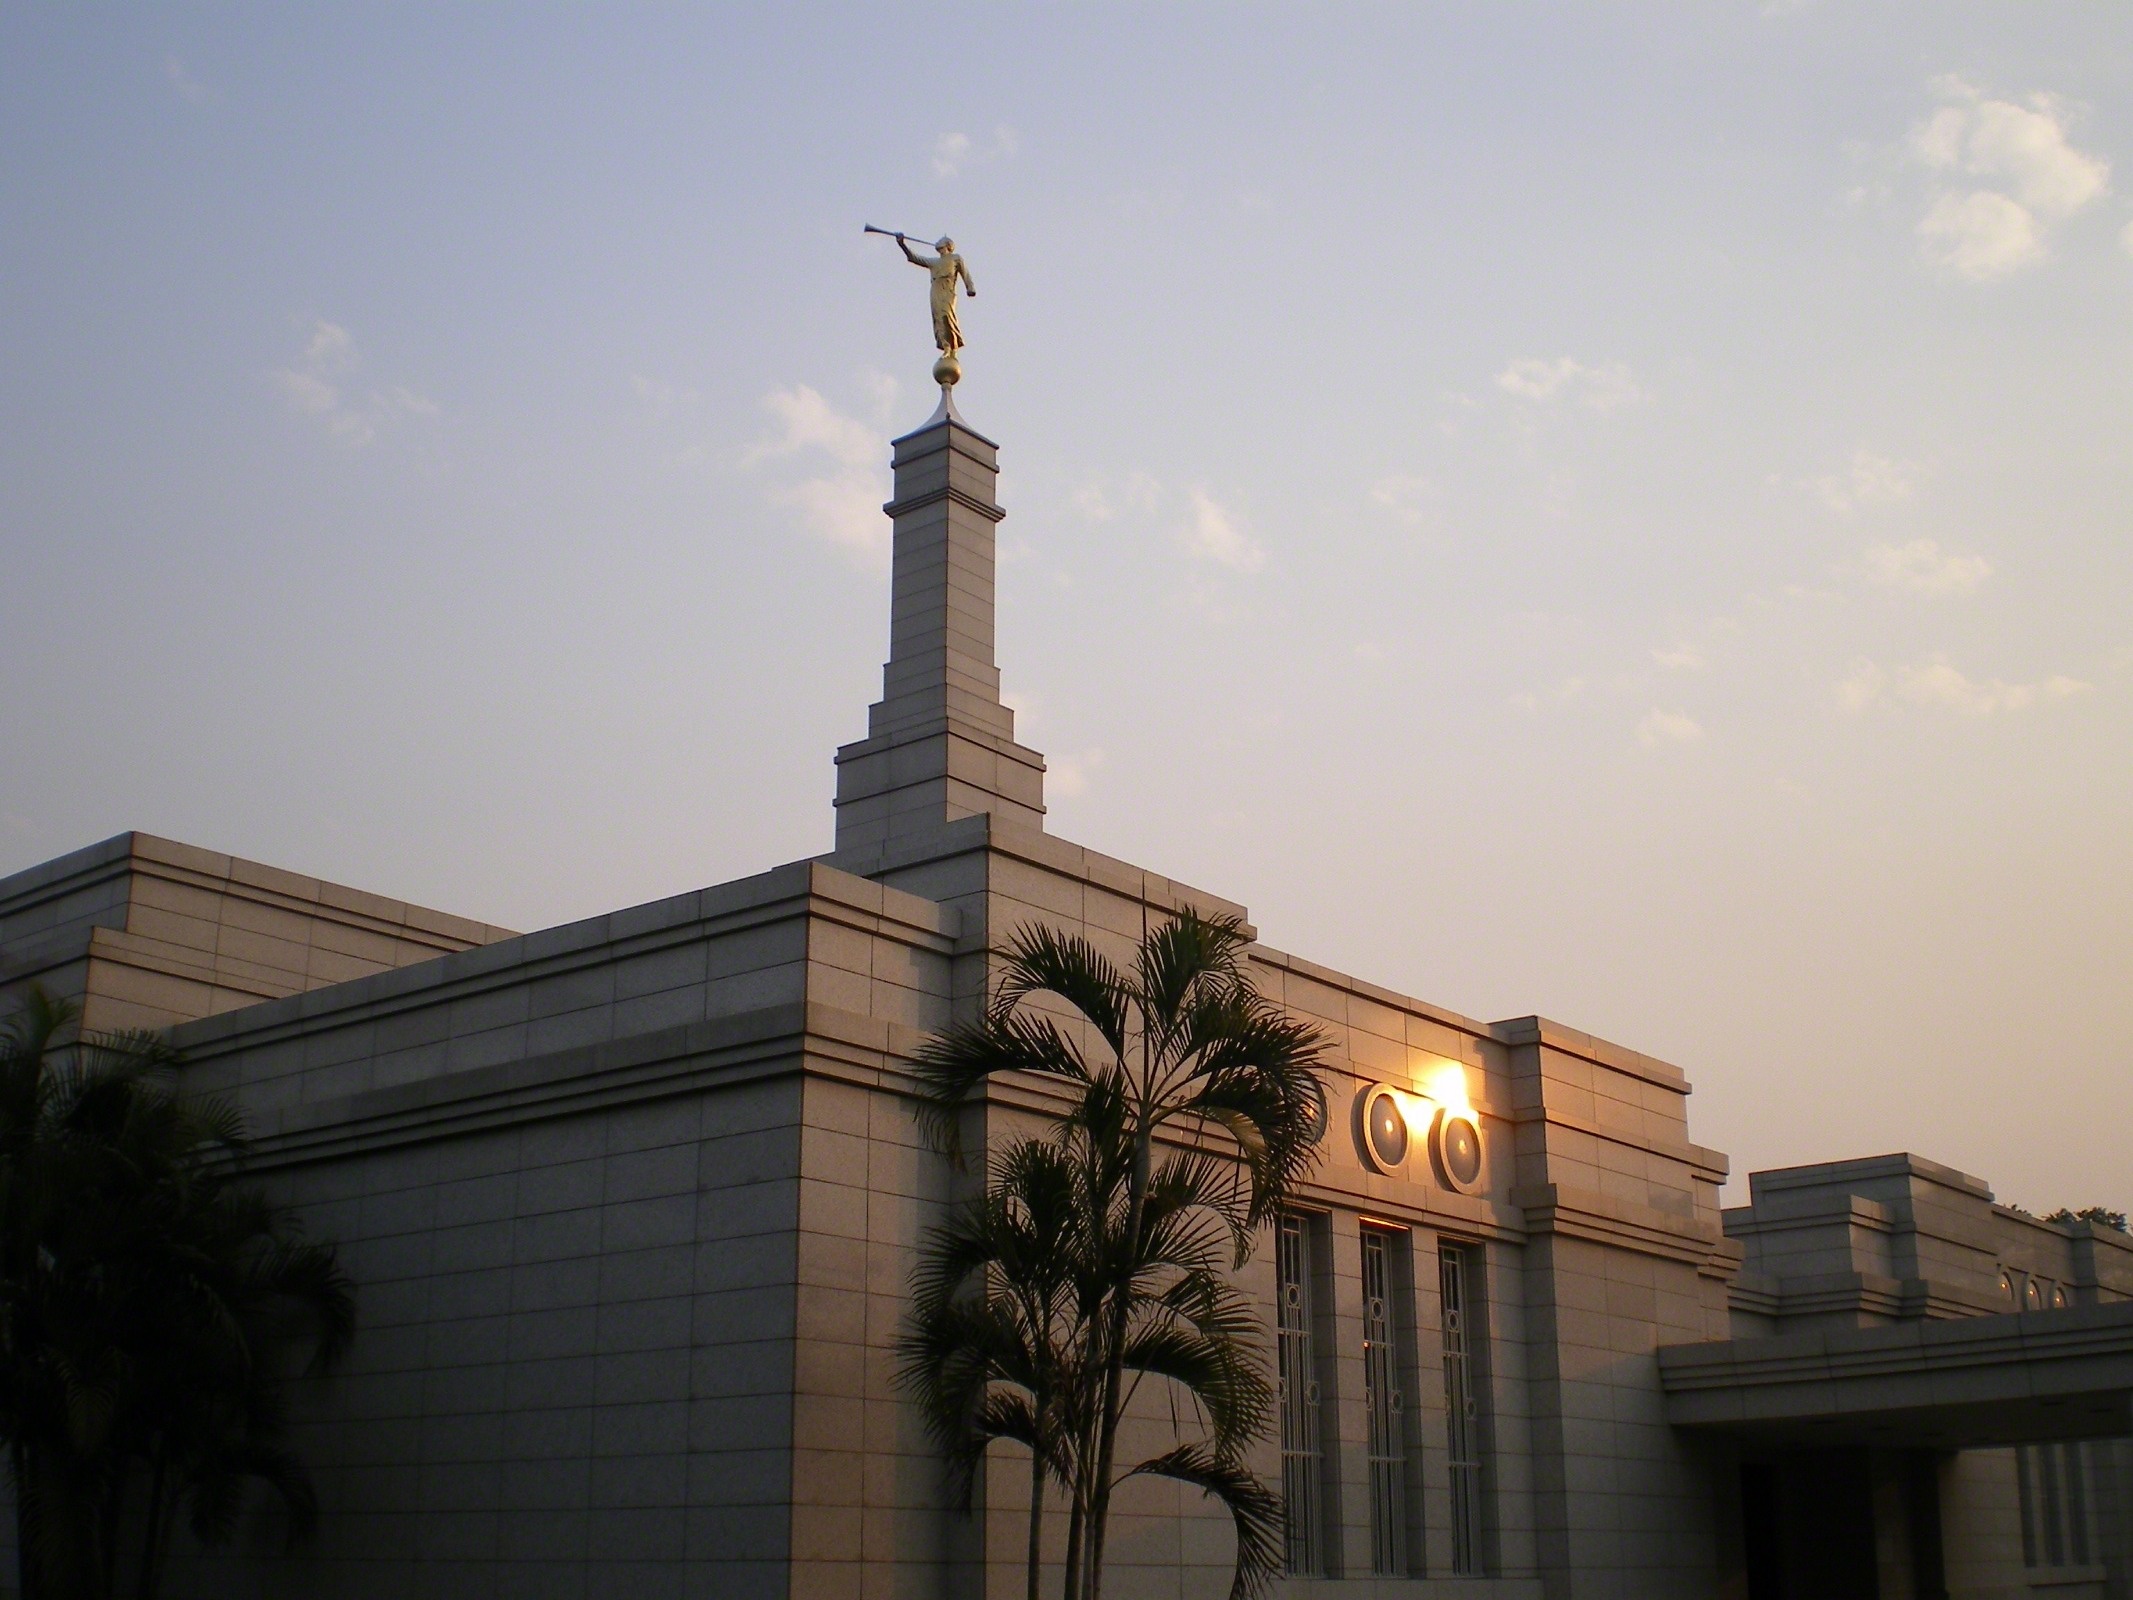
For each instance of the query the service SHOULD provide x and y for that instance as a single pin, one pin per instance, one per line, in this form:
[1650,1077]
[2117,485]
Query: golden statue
[945,268]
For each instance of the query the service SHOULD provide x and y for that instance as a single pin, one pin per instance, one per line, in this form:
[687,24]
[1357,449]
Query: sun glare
[1446,1085]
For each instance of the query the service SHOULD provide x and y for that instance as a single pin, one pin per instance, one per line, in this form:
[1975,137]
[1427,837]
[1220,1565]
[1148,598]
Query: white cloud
[2026,146]
[1532,700]
[1667,727]
[405,400]
[1403,495]
[882,390]
[1923,565]
[2126,238]
[660,398]
[330,345]
[1870,480]
[1212,534]
[841,504]
[950,151]
[1099,502]
[845,509]
[2033,177]
[1601,388]
[1069,776]
[806,421]
[189,88]
[956,153]
[1980,235]
[1938,682]
[1861,687]
[314,387]
[1091,501]
[1692,649]
[308,392]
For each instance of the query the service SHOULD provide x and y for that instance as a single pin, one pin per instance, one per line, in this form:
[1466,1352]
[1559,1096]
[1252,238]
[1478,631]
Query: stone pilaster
[940,746]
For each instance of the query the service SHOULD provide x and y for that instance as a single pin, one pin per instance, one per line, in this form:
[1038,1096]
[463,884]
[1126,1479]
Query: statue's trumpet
[890,233]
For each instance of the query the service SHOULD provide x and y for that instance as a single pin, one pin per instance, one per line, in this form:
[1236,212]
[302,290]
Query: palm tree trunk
[151,1545]
[1036,1518]
[1076,1523]
[1115,1368]
[25,1534]
[107,1535]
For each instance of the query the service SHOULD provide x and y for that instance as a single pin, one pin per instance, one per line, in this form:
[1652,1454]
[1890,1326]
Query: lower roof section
[1957,1383]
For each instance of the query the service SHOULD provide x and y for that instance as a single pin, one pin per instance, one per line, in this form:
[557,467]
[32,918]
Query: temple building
[632,1203]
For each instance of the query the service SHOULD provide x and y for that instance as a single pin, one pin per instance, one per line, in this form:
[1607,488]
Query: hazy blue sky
[1618,511]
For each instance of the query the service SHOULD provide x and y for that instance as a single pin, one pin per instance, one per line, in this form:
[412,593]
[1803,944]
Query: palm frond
[147,1299]
[1214,1372]
[950,1066]
[1095,1261]
[1042,960]
[1255,1510]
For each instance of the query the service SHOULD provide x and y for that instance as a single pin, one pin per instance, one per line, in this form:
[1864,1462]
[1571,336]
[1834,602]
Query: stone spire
[939,744]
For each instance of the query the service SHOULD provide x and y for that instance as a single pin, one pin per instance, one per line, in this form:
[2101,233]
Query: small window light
[2033,1297]
[2007,1289]
[2059,1297]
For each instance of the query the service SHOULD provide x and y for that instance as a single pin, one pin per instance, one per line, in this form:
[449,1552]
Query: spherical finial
[946,371]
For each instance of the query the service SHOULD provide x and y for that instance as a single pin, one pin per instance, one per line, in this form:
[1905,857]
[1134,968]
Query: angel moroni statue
[946,268]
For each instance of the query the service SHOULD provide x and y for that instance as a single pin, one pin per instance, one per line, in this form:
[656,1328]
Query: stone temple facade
[632,1205]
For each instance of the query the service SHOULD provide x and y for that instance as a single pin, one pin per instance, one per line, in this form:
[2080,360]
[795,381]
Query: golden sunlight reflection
[1446,1085]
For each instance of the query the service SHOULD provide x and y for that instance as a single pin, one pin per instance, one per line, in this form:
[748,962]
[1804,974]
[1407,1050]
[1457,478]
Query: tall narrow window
[2077,1503]
[1457,1277]
[1298,1396]
[2053,1480]
[1385,1405]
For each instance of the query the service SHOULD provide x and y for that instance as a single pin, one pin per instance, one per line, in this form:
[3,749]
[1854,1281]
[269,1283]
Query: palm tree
[210,1412]
[148,1305]
[1000,1362]
[1192,1057]
[1005,1299]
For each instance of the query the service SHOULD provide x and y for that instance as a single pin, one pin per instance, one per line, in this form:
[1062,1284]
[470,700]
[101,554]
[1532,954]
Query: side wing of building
[629,1221]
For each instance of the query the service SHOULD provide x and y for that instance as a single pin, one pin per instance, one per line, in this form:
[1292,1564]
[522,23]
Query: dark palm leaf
[1255,1510]
[1191,1101]
[953,1064]
[148,1298]
[1042,960]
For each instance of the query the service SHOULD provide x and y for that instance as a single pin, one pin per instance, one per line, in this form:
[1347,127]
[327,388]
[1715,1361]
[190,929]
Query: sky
[1615,512]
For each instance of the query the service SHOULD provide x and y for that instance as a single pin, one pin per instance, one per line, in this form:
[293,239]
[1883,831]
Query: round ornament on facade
[1455,1150]
[1385,1135]
[1388,1124]
[1315,1114]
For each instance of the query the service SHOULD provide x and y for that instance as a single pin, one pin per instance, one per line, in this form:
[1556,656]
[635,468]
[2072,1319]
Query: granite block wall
[574,1375]
[147,932]
[634,1203]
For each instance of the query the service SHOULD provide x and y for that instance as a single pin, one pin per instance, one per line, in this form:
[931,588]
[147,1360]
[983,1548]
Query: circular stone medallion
[1384,1129]
[1455,1150]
